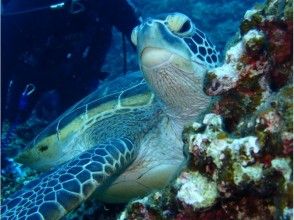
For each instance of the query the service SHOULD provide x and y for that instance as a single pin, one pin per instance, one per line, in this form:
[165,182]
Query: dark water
[60,46]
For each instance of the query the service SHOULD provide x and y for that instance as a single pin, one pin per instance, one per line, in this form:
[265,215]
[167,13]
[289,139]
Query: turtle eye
[185,27]
[179,24]
[134,36]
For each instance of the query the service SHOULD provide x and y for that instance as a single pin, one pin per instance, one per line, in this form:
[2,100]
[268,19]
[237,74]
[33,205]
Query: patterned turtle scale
[91,121]
[62,189]
[204,51]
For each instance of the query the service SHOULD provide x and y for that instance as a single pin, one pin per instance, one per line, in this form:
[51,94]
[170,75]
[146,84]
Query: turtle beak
[134,35]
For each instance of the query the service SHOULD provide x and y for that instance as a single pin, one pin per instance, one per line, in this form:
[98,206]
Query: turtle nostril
[149,21]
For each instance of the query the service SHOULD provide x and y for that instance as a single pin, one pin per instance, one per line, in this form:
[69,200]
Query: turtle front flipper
[61,190]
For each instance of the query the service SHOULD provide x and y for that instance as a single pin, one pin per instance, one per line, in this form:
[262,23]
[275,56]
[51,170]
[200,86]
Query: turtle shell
[112,111]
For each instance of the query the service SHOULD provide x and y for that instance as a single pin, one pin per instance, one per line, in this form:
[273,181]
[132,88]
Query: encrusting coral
[240,156]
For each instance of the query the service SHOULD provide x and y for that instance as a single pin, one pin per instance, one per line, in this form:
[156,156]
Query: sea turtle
[125,144]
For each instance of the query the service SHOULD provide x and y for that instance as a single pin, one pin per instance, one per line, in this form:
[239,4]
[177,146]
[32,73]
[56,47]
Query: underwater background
[56,52]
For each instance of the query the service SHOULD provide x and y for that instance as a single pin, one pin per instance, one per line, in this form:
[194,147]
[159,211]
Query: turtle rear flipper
[62,189]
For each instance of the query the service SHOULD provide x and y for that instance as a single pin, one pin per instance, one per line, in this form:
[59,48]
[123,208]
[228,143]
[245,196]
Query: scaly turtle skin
[122,145]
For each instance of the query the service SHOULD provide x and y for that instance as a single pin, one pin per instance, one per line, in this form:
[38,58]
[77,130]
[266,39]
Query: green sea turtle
[125,144]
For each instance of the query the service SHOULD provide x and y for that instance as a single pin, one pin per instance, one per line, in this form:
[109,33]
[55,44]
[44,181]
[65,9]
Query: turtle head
[174,56]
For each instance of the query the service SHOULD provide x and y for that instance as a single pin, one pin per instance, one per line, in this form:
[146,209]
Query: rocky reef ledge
[241,155]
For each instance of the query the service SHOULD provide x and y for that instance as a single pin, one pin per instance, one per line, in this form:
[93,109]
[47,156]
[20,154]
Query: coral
[220,167]
[236,160]
[196,190]
[283,165]
[258,63]
[215,142]
[254,41]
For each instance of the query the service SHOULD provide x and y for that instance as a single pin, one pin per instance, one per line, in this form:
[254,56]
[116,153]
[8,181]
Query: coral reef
[224,174]
[240,156]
